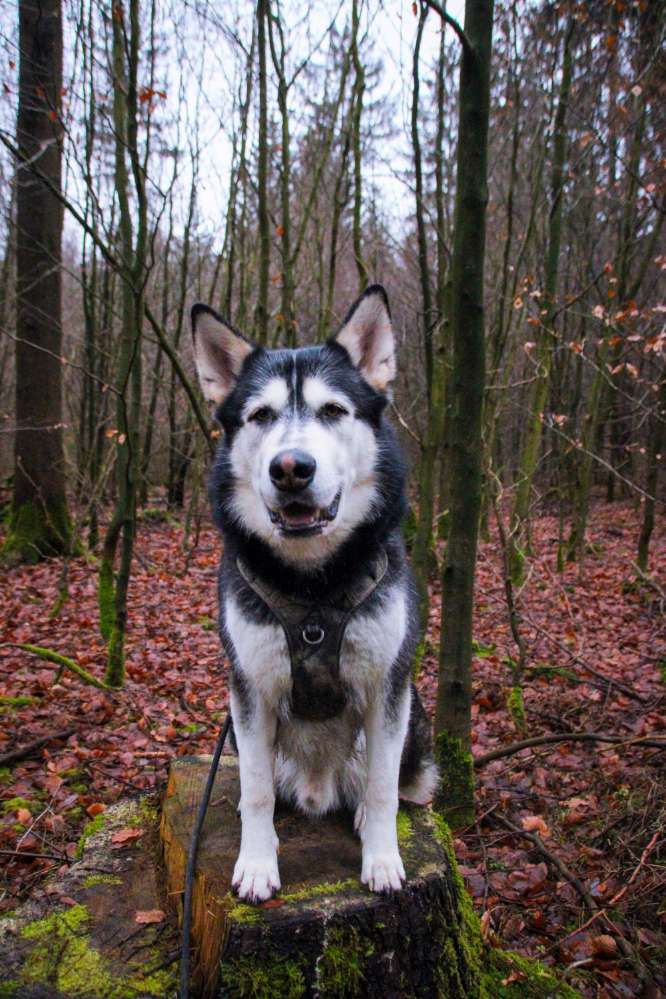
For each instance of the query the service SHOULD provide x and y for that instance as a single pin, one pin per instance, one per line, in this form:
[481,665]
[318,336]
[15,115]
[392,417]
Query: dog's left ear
[367,336]
[219,352]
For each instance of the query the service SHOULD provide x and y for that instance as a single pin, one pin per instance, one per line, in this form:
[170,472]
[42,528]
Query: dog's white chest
[369,648]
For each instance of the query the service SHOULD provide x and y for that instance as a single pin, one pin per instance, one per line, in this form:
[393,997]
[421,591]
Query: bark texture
[453,711]
[39,522]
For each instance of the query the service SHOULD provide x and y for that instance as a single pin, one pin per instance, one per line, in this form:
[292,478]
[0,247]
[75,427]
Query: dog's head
[302,428]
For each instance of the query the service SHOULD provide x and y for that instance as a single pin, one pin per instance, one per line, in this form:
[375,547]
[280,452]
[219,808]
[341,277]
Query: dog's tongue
[298,514]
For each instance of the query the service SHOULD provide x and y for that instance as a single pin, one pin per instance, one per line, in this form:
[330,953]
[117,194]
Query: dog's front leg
[256,875]
[385,731]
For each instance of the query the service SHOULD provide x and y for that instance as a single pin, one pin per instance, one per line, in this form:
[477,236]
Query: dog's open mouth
[303,518]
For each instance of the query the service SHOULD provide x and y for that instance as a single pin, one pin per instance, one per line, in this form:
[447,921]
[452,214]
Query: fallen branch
[31,747]
[544,740]
[603,912]
[552,859]
[597,911]
[60,660]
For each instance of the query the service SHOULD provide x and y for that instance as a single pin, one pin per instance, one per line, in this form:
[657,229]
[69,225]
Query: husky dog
[318,609]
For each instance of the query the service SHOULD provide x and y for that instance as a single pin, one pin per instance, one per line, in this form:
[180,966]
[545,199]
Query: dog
[318,608]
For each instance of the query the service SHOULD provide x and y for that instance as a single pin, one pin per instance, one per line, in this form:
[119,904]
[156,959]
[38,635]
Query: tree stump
[101,929]
[325,935]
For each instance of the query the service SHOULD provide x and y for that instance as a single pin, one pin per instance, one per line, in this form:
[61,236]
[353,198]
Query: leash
[192,862]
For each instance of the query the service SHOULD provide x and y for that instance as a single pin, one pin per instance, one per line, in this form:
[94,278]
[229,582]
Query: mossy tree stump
[325,935]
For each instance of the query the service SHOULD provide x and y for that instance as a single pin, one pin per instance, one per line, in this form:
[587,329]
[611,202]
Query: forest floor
[596,662]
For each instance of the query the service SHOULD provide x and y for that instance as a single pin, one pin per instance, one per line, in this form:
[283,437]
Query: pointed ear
[219,352]
[367,336]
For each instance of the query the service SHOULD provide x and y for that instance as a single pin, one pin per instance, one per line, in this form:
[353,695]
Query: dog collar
[315,631]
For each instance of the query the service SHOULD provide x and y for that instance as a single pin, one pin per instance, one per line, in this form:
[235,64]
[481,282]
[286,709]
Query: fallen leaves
[124,836]
[148,916]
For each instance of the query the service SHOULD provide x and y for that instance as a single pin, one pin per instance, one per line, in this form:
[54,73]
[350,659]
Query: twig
[31,747]
[543,740]
[464,40]
[60,660]
[552,858]
[62,857]
[603,912]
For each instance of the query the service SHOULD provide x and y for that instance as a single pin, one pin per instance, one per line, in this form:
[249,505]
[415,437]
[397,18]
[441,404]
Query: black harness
[314,633]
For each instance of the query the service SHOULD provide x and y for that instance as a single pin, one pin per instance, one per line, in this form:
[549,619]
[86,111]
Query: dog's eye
[332,411]
[262,415]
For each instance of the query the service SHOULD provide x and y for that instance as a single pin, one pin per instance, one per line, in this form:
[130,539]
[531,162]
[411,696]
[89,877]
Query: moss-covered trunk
[453,714]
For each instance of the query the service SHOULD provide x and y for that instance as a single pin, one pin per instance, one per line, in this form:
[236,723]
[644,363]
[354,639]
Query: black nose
[292,470]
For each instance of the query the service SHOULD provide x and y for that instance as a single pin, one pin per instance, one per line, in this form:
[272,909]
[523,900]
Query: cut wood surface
[324,934]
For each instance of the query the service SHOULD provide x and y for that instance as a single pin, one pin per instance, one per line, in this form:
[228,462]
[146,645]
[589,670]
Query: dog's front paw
[382,871]
[256,879]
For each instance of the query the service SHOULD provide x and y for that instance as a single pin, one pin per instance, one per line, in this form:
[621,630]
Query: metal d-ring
[313,634]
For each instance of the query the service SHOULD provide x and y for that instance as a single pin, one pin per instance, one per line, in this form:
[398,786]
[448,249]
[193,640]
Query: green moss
[419,656]
[469,928]
[489,966]
[405,829]
[37,531]
[533,980]
[251,978]
[207,623]
[62,955]
[240,912]
[13,805]
[15,702]
[9,989]
[516,706]
[325,888]
[454,798]
[340,967]
[94,826]
[6,775]
[115,663]
[101,879]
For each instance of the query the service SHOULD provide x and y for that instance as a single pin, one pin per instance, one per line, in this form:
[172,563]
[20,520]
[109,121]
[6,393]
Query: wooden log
[325,935]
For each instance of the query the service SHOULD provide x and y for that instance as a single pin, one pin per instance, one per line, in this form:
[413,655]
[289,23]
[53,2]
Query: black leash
[192,862]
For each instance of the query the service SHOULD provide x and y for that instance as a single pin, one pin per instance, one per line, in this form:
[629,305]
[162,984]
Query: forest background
[273,161]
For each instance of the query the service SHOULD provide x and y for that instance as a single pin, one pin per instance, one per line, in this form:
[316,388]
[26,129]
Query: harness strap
[314,633]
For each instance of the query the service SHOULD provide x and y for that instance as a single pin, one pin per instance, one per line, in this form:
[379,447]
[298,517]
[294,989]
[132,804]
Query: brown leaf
[149,916]
[126,835]
[534,823]
[272,903]
[95,809]
[23,815]
[603,946]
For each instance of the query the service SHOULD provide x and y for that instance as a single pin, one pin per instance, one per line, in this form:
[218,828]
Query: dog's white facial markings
[317,393]
[345,450]
[274,394]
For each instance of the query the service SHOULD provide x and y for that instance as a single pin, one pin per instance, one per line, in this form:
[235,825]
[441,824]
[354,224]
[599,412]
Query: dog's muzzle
[296,516]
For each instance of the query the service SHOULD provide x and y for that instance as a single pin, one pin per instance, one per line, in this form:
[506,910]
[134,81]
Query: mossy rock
[92,947]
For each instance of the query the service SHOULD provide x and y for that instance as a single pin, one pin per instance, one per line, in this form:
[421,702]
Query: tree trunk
[39,520]
[544,350]
[455,797]
[357,112]
[261,310]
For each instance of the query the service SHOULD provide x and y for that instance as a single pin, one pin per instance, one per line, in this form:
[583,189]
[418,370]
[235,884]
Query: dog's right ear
[219,352]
